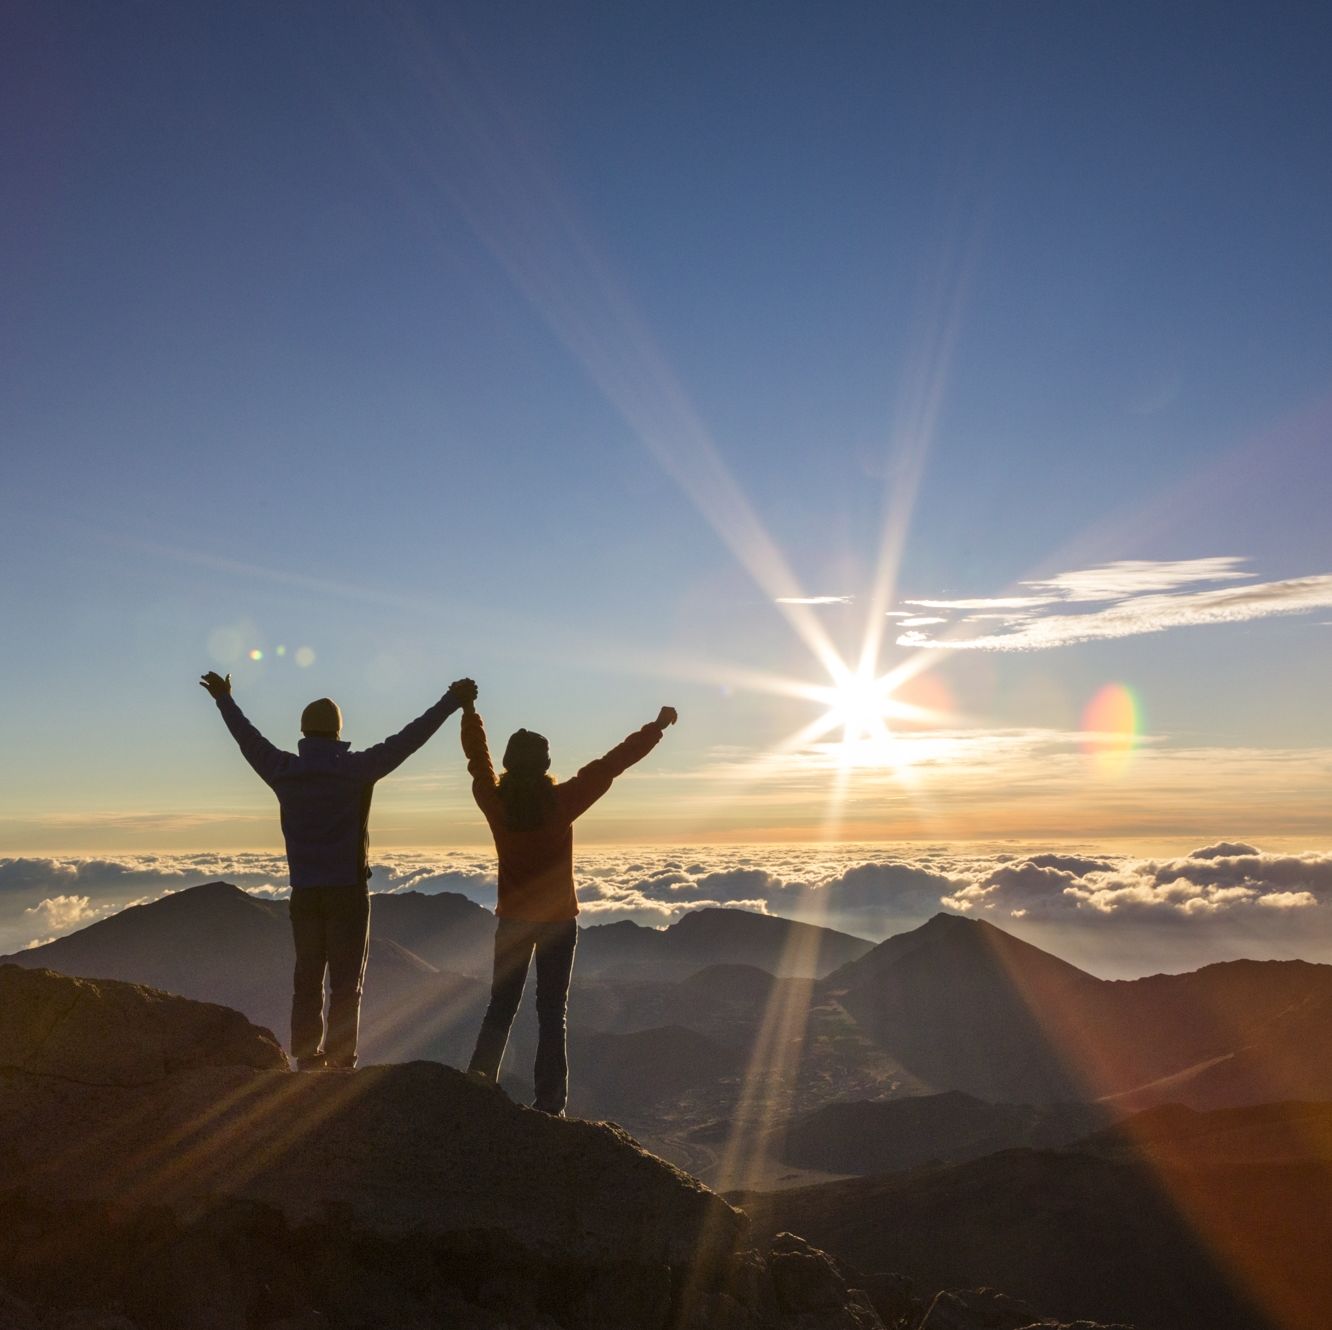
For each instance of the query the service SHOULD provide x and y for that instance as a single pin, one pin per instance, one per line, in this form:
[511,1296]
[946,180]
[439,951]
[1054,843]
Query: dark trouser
[515,942]
[331,929]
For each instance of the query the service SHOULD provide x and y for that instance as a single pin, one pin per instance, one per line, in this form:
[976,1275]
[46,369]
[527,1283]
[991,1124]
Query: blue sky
[456,339]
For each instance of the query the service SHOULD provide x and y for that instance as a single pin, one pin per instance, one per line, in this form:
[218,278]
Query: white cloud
[813,600]
[1111,581]
[1288,900]
[1226,898]
[987,603]
[1199,884]
[61,913]
[1147,613]
[1137,577]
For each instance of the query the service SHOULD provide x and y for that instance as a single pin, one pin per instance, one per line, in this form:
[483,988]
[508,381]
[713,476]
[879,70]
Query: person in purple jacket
[323,792]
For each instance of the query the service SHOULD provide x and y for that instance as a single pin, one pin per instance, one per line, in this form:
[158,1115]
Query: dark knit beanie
[527,751]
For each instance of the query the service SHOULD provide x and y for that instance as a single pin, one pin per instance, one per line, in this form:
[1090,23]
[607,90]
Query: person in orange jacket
[531,817]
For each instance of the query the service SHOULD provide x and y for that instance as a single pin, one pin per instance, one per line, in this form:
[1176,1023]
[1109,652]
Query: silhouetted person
[531,818]
[323,792]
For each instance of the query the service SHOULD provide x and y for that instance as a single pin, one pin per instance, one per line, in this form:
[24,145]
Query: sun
[859,705]
[863,714]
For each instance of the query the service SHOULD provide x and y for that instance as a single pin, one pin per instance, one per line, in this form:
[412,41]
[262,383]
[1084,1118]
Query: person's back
[324,800]
[324,791]
[531,818]
[535,853]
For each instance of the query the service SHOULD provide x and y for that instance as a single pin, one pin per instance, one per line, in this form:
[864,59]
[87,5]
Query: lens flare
[256,654]
[1111,725]
[225,644]
[305,657]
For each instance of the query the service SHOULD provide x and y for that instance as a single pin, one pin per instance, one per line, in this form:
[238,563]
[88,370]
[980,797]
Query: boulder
[895,1298]
[988,1309]
[104,1032]
[977,1309]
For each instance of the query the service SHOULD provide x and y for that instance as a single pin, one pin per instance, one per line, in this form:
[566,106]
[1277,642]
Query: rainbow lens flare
[1111,725]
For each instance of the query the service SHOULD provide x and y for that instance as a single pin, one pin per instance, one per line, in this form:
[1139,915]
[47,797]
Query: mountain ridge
[955,1004]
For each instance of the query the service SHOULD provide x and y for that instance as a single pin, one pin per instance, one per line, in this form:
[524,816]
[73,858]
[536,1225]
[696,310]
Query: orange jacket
[536,867]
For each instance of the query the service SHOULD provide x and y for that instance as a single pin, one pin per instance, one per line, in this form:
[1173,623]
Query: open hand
[667,716]
[217,685]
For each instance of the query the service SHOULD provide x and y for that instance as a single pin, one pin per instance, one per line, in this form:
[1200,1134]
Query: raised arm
[387,756]
[266,758]
[584,789]
[477,751]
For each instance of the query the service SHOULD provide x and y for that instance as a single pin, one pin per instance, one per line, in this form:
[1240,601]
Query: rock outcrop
[108,1033]
[160,1169]
[988,1309]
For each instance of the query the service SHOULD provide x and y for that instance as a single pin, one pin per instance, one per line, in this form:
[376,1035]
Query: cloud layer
[1135,597]
[1114,913]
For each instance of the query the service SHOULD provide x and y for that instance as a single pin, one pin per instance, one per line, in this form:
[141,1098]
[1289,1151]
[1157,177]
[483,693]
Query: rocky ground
[161,1169]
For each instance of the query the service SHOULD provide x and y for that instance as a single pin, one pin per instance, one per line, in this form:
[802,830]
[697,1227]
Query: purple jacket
[323,792]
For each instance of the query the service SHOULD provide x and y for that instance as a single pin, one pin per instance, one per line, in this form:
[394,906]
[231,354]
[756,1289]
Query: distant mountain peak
[938,923]
[619,927]
[951,952]
[221,890]
[713,918]
[207,896]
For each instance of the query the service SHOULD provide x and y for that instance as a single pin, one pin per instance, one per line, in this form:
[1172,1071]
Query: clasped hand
[464,690]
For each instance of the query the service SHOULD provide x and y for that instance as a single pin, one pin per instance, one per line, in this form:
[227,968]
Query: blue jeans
[516,941]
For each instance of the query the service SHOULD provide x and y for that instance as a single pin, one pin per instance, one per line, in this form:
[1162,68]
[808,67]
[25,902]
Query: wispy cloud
[813,600]
[1143,598]
[1137,577]
[986,603]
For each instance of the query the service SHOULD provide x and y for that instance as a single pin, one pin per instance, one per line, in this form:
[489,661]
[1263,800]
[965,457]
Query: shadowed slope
[714,936]
[443,928]
[896,1134]
[213,942]
[963,1005]
[1174,1220]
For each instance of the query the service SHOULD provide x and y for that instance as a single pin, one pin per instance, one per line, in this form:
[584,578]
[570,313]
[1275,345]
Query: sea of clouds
[1116,914]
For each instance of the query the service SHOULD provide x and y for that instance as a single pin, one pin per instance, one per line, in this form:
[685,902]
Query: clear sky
[555,345]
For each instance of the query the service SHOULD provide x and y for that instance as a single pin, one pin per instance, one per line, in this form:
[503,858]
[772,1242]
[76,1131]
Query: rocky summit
[161,1169]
